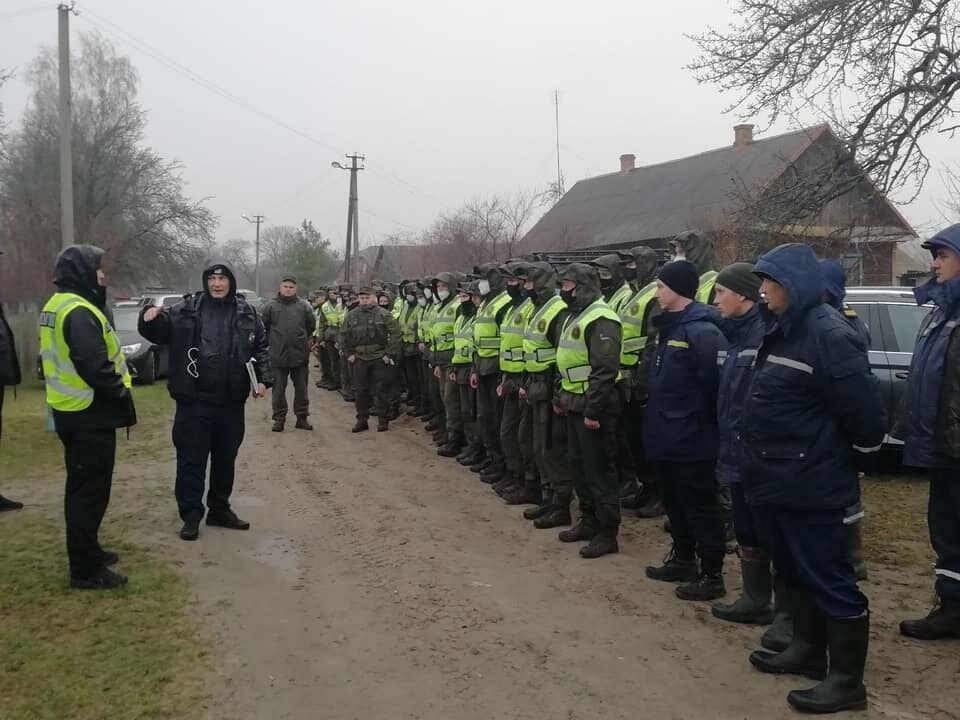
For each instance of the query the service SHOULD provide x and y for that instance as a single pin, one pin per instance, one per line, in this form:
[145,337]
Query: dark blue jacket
[813,401]
[835,284]
[927,409]
[680,420]
[744,335]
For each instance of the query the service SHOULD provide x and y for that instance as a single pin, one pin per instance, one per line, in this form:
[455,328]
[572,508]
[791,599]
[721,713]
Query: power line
[22,12]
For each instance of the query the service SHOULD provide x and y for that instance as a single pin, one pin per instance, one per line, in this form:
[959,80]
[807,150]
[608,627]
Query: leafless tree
[885,73]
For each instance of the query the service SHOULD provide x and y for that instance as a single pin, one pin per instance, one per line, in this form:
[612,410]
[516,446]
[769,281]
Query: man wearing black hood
[9,376]
[212,335]
[88,392]
[588,363]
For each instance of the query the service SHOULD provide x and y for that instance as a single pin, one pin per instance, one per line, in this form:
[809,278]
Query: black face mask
[630,273]
[567,297]
[607,285]
[468,308]
[515,291]
[532,294]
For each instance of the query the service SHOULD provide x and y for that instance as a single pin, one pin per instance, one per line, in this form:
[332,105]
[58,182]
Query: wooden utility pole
[256,220]
[351,255]
[66,129]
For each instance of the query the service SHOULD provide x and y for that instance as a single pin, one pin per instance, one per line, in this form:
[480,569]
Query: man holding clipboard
[218,357]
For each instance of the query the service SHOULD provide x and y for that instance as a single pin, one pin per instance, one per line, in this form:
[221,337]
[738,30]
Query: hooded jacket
[647,264]
[835,286]
[696,248]
[680,419]
[603,342]
[539,386]
[289,323]
[210,343]
[744,335]
[932,418]
[813,403]
[616,290]
[112,407]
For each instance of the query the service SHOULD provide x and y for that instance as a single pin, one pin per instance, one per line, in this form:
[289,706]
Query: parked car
[894,319]
[164,297]
[252,298]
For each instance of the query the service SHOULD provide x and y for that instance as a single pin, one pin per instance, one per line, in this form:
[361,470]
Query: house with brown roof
[748,196]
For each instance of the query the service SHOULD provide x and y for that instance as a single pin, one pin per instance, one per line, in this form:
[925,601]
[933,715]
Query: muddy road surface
[381,581]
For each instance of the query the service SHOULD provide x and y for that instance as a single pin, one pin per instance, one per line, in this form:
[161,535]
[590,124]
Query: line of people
[740,399]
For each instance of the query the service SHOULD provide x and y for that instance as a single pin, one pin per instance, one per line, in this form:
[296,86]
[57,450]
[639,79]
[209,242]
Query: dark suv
[894,319]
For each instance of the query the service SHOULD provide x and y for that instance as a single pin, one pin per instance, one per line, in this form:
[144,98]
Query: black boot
[303,424]
[361,426]
[105,579]
[652,507]
[678,566]
[7,504]
[807,653]
[778,635]
[190,530]
[541,509]
[584,530]
[226,519]
[603,543]
[440,437]
[942,622]
[469,456]
[493,474]
[527,493]
[481,465]
[453,446]
[433,425]
[383,424]
[753,607]
[277,426]
[559,515]
[708,586]
[843,687]
[510,483]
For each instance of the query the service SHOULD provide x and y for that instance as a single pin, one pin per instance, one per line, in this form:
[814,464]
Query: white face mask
[427,293]
[443,294]
[411,298]
[422,302]
[484,287]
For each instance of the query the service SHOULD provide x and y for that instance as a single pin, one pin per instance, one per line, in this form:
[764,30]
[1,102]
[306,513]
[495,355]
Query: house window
[853,267]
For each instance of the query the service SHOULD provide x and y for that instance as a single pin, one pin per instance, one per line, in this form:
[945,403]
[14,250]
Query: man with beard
[213,335]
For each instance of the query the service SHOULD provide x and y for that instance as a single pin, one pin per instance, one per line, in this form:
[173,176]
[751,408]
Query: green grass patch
[129,654]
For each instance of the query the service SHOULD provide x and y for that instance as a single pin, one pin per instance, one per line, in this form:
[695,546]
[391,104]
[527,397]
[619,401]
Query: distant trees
[127,198]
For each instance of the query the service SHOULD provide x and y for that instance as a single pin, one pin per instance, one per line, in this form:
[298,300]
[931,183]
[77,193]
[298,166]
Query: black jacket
[9,363]
[112,407]
[210,343]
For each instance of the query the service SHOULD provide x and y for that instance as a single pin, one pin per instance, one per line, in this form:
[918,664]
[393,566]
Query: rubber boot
[678,566]
[855,540]
[843,688]
[558,515]
[807,653]
[777,637]
[603,543]
[942,622]
[753,607]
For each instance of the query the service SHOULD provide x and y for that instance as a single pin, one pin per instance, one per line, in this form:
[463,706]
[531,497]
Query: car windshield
[906,320]
[125,319]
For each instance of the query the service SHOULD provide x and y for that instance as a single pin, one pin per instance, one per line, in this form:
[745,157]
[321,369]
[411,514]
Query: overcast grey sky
[448,100]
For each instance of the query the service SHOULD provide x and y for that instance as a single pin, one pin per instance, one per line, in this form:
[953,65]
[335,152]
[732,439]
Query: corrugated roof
[658,201]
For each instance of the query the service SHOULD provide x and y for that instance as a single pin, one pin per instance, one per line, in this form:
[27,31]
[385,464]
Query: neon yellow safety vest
[538,354]
[634,332]
[463,340]
[573,355]
[486,331]
[66,390]
[620,297]
[442,329]
[425,331]
[398,303]
[332,314]
[707,282]
[408,323]
[511,337]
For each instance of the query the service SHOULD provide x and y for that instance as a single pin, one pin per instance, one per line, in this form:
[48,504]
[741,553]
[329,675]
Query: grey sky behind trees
[448,100]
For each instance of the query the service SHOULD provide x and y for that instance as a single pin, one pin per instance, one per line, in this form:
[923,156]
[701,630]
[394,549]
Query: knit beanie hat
[741,279]
[681,277]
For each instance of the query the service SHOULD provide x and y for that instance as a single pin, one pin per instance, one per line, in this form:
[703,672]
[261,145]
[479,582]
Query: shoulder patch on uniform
[542,325]
[850,312]
[634,308]
[576,333]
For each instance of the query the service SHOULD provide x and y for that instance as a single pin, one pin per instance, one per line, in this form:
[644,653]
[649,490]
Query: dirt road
[380,581]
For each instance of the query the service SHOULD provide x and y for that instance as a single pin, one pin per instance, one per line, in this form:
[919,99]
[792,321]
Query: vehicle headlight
[131,349]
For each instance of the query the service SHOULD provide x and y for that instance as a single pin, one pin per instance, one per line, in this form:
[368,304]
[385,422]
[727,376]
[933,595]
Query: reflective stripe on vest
[620,297]
[331,313]
[486,331]
[66,390]
[632,318]
[408,324]
[538,353]
[707,281]
[442,328]
[573,355]
[463,340]
[511,337]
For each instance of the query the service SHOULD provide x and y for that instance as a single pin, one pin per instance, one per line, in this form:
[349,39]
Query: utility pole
[256,220]
[556,105]
[352,247]
[66,128]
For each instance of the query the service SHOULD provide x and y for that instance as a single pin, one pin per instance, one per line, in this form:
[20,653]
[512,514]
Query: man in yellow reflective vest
[460,426]
[88,392]
[540,343]
[588,365]
[445,289]
[410,354]
[518,485]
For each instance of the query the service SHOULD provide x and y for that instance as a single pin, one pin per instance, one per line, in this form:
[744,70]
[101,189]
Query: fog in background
[448,101]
